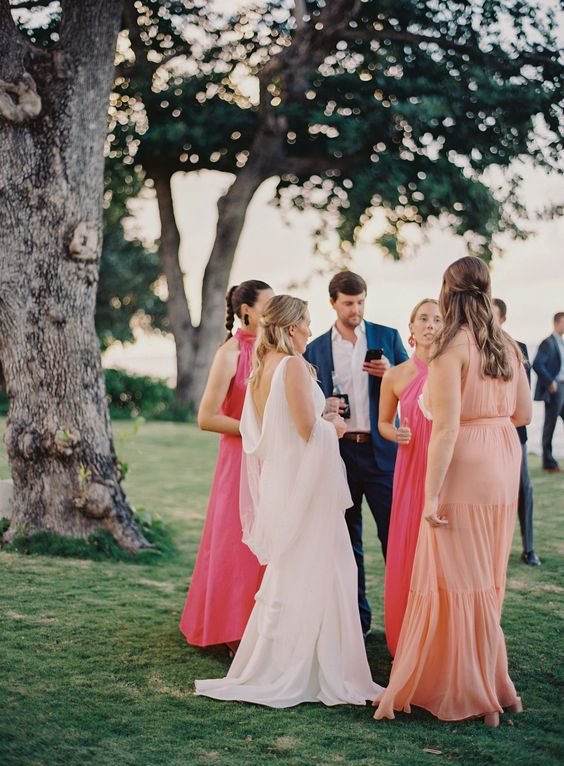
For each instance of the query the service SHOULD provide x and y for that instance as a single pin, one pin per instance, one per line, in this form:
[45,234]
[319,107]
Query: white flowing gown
[303,641]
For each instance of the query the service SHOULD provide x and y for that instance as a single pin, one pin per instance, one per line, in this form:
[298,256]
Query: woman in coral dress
[403,384]
[451,657]
[303,642]
[226,575]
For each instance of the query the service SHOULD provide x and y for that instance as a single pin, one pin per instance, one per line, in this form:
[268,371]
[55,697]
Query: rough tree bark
[232,210]
[178,309]
[195,346]
[53,117]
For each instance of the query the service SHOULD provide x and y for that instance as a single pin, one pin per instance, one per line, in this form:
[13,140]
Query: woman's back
[261,387]
[482,395]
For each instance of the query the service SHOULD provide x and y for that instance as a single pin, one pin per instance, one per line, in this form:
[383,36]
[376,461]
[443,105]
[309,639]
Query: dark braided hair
[229,313]
[247,292]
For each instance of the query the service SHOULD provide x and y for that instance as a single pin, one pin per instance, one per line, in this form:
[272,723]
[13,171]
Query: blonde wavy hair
[279,314]
[465,300]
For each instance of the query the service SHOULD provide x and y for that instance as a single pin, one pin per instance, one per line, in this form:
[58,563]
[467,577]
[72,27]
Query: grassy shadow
[100,546]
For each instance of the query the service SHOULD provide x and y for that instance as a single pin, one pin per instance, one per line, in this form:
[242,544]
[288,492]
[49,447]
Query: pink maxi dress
[451,657]
[407,506]
[226,575]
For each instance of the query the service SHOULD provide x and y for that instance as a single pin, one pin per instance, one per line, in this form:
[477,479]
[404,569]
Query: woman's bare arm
[297,382]
[387,410]
[222,371]
[445,375]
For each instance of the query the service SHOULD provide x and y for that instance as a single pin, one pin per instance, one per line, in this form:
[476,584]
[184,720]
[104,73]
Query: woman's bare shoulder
[228,350]
[398,371]
[460,341]
[296,368]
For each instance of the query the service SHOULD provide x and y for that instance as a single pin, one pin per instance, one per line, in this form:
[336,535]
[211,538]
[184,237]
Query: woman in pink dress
[403,384]
[451,657]
[226,575]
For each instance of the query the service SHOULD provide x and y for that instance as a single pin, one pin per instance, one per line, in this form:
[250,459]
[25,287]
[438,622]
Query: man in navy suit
[525,505]
[549,366]
[369,459]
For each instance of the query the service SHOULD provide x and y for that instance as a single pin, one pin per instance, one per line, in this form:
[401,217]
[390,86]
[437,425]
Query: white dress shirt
[560,345]
[348,359]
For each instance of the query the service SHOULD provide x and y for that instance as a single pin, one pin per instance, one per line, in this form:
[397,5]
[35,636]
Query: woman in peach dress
[451,657]
[226,575]
[402,385]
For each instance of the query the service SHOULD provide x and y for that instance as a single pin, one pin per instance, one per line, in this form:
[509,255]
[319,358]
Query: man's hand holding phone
[375,363]
[334,405]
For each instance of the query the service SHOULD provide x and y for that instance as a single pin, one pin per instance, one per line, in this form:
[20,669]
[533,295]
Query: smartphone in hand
[373,353]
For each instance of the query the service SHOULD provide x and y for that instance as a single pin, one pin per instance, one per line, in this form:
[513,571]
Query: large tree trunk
[178,310]
[195,346]
[53,116]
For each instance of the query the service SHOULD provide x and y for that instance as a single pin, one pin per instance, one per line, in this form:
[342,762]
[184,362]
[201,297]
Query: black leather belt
[360,437]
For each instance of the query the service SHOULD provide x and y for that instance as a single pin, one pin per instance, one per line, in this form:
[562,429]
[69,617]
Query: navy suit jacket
[547,366]
[320,353]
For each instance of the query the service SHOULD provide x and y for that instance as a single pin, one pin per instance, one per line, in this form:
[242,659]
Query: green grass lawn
[94,670]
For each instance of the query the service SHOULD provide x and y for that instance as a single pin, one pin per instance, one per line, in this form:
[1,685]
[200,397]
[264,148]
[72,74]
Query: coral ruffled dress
[226,575]
[451,657]
[407,506]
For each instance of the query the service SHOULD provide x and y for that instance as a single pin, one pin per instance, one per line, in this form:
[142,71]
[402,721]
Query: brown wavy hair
[279,314]
[465,300]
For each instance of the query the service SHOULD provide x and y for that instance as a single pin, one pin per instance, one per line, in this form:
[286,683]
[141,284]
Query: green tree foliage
[397,106]
[129,269]
[416,102]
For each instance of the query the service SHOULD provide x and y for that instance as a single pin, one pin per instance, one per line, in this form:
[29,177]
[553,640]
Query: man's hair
[348,283]
[502,306]
[558,316]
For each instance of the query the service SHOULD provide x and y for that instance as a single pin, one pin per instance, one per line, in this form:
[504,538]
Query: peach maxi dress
[451,657]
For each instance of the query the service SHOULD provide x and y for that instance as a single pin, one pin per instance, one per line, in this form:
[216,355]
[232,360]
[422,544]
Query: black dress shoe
[553,469]
[531,558]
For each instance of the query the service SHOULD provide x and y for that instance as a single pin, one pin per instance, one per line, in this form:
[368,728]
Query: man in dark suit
[369,459]
[525,505]
[549,366]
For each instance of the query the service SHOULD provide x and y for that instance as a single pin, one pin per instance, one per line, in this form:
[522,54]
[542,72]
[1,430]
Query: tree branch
[29,5]
[310,44]
[472,51]
[318,163]
[137,45]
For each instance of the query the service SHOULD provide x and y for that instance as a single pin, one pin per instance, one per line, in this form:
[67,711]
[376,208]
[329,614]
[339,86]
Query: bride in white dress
[303,642]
